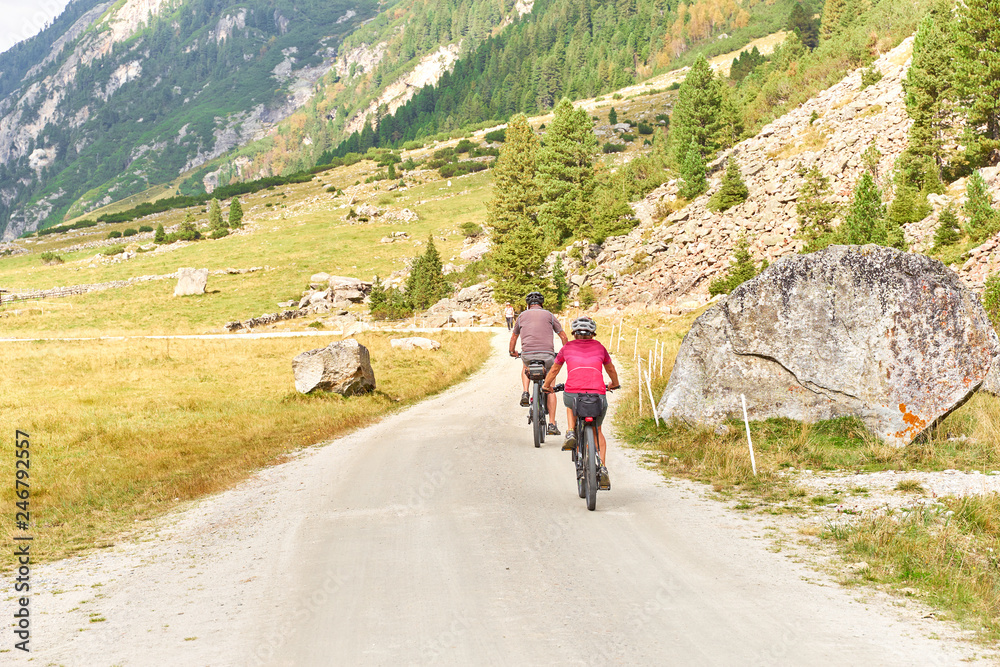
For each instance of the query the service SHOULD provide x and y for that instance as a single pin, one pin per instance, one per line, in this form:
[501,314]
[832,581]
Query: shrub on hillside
[219,233]
[471,230]
[948,232]
[130,232]
[625,136]
[113,250]
[991,299]
[114,234]
[412,145]
[145,228]
[645,128]
[612,148]
[741,270]
[497,136]
[51,258]
[464,146]
[733,190]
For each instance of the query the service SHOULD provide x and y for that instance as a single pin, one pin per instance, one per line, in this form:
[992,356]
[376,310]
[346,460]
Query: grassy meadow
[302,233]
[124,430]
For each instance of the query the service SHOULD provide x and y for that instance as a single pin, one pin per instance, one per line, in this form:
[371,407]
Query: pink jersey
[584,361]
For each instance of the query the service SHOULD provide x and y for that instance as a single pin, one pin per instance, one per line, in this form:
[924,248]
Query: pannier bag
[536,370]
[588,405]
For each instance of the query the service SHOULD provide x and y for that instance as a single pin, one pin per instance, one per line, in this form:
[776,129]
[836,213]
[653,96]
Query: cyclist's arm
[613,374]
[513,344]
[562,337]
[551,377]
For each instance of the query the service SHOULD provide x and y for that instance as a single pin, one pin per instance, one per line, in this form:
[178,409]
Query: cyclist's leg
[524,375]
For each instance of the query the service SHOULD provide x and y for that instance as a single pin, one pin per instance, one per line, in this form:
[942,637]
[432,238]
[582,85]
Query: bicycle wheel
[581,485]
[590,468]
[538,423]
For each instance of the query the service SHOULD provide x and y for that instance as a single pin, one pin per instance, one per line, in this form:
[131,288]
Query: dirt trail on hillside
[441,535]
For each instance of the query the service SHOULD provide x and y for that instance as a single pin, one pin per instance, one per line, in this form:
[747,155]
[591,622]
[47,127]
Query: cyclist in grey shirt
[535,326]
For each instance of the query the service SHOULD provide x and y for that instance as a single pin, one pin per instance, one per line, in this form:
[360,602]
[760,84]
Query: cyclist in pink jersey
[585,358]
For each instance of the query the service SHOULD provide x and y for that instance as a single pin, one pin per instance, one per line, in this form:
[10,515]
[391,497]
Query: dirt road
[441,535]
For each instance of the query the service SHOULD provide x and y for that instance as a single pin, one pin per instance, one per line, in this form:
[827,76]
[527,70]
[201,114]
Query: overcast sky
[20,19]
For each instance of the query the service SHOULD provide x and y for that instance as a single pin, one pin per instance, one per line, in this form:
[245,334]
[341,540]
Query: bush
[625,136]
[464,146]
[51,258]
[219,233]
[741,270]
[471,229]
[497,136]
[947,233]
[587,297]
[645,128]
[412,145]
[662,118]
[145,228]
[114,234]
[612,148]
[991,298]
[461,168]
[130,232]
[113,250]
[870,76]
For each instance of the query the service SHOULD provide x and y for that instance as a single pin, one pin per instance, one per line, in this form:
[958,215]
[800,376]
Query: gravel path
[441,535]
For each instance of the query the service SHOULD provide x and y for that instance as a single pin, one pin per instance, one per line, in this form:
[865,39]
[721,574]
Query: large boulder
[342,366]
[191,281]
[890,337]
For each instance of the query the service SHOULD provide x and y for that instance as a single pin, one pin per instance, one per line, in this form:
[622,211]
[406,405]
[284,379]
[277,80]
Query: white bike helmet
[583,325]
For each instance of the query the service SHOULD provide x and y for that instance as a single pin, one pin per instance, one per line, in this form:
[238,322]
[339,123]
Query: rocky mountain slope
[670,258]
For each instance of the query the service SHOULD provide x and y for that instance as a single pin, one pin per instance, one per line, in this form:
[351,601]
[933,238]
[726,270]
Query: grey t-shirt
[536,327]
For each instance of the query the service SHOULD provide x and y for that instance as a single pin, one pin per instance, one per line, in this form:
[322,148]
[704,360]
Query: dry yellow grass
[124,430]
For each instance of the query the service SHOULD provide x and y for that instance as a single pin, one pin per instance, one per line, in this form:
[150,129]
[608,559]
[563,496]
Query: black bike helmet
[535,297]
[583,325]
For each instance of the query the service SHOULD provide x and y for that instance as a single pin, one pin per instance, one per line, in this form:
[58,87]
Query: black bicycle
[585,458]
[538,411]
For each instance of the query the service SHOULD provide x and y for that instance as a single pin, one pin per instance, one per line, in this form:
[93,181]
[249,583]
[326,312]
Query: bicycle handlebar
[562,387]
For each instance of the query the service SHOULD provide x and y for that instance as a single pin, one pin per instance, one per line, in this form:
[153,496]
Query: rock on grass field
[124,430]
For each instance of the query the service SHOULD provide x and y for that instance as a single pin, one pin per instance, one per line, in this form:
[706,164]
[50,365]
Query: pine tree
[983,221]
[907,206]
[730,119]
[559,285]
[215,215]
[693,181]
[235,213]
[696,114]
[426,284]
[740,270]
[733,190]
[804,26]
[866,221]
[516,263]
[815,212]
[977,77]
[927,87]
[160,236]
[515,193]
[947,233]
[834,13]
[566,174]
[612,117]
